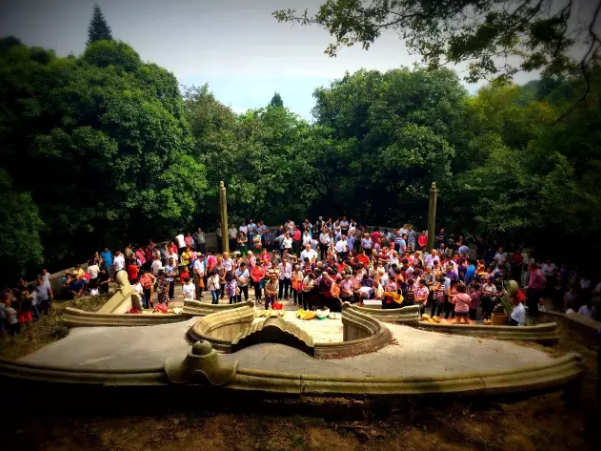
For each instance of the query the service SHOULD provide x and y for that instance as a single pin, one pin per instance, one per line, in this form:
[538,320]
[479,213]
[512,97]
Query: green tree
[98,30]
[100,142]
[276,100]
[20,227]
[490,35]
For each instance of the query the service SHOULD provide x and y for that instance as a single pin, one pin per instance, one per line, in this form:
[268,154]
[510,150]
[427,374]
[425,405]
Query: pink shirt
[537,280]
[462,302]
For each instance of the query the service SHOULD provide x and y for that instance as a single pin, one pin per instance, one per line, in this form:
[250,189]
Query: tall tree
[490,35]
[98,30]
[276,100]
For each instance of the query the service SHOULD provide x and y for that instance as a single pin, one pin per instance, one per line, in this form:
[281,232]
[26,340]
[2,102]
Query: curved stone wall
[79,318]
[199,308]
[220,329]
[208,370]
[403,315]
[232,330]
[541,333]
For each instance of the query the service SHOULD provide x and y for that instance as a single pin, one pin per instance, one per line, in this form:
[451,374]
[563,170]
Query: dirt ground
[543,422]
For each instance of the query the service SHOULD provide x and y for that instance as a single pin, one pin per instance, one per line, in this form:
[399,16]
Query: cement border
[362,333]
[80,318]
[555,375]
[199,308]
[404,315]
[542,333]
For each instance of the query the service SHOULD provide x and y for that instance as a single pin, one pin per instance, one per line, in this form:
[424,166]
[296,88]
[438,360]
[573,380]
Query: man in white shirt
[342,247]
[285,275]
[228,262]
[432,257]
[518,315]
[199,269]
[232,234]
[500,255]
[156,266]
[181,242]
[118,261]
[308,253]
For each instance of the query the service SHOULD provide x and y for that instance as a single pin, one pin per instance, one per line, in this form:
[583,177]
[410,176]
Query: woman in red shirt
[257,273]
[422,240]
[132,270]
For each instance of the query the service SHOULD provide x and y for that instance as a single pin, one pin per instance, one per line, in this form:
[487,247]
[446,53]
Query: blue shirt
[108,259]
[469,274]
[463,249]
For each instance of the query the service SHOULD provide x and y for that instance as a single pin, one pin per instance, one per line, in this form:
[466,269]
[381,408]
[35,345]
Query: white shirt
[93,270]
[198,266]
[344,224]
[138,288]
[549,269]
[180,240]
[430,259]
[285,271]
[233,232]
[341,246]
[119,263]
[228,264]
[324,238]
[306,239]
[287,243]
[585,311]
[310,254]
[155,267]
[189,291]
[244,229]
[519,314]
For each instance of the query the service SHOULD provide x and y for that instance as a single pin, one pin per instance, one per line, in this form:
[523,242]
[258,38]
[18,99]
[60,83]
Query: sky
[235,46]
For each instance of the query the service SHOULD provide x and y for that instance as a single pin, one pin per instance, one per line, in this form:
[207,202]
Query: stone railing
[542,333]
[203,367]
[199,308]
[232,330]
[78,318]
[403,315]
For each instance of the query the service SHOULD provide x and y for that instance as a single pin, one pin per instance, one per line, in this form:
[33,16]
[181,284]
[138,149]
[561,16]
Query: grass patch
[48,329]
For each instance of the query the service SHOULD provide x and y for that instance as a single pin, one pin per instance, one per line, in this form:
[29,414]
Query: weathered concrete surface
[417,354]
[116,347]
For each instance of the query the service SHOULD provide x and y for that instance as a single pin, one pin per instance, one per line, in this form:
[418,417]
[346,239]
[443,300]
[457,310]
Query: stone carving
[201,365]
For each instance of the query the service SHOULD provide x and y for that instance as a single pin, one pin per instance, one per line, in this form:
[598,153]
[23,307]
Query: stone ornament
[201,365]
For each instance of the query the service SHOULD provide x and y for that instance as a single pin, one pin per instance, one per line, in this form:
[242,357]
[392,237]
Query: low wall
[404,315]
[542,333]
[221,328]
[232,330]
[587,328]
[79,318]
[199,308]
[198,370]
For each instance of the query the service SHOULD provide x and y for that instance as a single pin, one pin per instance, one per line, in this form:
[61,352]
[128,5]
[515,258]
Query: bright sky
[235,46]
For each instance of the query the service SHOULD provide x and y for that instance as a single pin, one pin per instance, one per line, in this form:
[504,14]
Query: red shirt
[297,235]
[375,236]
[422,240]
[132,272]
[257,273]
[363,259]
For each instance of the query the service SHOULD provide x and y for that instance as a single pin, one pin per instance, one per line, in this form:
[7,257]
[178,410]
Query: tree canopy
[496,38]
[276,100]
[99,29]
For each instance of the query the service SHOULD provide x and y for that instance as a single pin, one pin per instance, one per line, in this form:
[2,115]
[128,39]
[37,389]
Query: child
[140,290]
[231,287]
[188,290]
[271,290]
[462,303]
[475,303]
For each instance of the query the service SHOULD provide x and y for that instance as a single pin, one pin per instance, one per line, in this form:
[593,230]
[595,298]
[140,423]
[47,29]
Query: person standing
[199,270]
[118,262]
[242,276]
[285,278]
[213,286]
[257,273]
[171,274]
[271,290]
[107,261]
[462,302]
[44,295]
[535,286]
[232,233]
[181,242]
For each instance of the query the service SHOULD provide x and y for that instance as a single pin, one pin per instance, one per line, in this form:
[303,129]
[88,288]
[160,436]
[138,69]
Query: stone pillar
[223,214]
[432,217]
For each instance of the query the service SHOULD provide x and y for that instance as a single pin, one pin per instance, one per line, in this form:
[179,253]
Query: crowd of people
[322,265]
